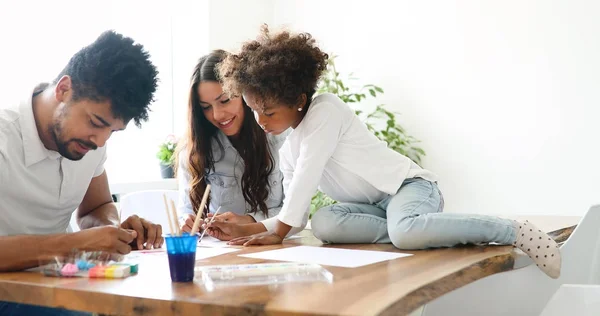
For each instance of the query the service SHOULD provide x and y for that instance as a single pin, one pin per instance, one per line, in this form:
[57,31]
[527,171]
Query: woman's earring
[299,109]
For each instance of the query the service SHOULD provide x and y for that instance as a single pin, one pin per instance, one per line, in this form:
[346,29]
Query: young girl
[225,147]
[384,196]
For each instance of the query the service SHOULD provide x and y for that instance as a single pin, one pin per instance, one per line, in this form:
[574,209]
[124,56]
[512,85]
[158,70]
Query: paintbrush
[211,221]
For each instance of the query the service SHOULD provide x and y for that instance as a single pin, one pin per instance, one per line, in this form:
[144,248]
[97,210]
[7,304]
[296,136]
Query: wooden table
[394,287]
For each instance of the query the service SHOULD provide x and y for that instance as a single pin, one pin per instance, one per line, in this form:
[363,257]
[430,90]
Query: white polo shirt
[39,189]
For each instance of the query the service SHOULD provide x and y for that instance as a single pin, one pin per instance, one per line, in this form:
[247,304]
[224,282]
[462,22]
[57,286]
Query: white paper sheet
[209,241]
[204,252]
[348,258]
[293,237]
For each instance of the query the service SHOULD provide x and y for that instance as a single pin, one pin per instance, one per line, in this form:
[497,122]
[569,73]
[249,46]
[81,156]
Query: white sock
[540,247]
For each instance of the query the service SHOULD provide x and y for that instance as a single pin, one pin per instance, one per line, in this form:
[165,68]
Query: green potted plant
[379,120]
[165,156]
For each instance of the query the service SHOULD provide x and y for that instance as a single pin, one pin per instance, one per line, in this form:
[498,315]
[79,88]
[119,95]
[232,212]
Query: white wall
[233,22]
[204,25]
[504,95]
[190,26]
[39,37]
[176,34]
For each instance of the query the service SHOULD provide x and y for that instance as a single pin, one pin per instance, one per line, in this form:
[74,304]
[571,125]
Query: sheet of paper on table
[348,258]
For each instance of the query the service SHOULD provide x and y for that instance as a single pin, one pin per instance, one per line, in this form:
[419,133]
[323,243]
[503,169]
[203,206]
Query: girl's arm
[318,140]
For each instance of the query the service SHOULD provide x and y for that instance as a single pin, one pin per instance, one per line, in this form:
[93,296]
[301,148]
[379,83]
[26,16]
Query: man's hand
[232,218]
[148,233]
[106,238]
[265,238]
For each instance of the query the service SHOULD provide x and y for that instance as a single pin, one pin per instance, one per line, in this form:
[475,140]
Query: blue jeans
[410,219]
[14,309]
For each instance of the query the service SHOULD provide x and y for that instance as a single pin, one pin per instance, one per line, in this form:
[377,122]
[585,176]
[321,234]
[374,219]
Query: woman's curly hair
[275,67]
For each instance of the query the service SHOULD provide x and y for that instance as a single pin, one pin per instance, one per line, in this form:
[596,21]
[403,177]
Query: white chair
[526,291]
[574,299]
[148,205]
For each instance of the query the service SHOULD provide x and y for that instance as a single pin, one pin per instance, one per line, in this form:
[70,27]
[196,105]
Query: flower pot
[166,171]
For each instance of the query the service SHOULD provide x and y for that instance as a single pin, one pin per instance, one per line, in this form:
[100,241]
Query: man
[52,151]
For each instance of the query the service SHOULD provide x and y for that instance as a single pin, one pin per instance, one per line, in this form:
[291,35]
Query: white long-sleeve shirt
[331,149]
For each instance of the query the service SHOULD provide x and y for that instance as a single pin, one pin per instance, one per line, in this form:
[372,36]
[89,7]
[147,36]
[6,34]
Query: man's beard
[62,145]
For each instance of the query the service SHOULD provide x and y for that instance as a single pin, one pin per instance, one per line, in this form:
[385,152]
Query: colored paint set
[89,265]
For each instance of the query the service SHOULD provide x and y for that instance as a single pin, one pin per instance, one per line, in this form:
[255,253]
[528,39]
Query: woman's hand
[225,230]
[188,223]
[232,218]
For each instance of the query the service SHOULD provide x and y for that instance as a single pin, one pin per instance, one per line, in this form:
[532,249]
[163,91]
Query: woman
[225,147]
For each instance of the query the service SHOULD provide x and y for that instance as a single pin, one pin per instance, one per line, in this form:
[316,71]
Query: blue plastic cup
[182,256]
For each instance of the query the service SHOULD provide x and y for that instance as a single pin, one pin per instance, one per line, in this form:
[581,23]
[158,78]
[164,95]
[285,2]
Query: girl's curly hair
[275,67]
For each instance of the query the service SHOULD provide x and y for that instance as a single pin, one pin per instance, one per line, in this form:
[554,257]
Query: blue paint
[182,256]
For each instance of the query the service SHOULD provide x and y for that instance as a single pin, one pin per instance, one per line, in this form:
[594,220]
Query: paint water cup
[182,256]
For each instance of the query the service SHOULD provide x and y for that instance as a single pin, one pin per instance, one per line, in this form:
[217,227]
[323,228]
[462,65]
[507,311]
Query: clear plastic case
[261,274]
